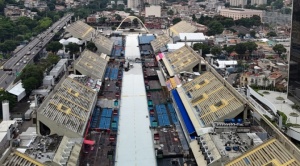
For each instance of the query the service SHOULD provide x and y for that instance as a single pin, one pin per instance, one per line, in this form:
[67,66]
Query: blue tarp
[185,116]
[146,39]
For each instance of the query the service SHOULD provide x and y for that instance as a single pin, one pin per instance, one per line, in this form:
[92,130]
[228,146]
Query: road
[26,54]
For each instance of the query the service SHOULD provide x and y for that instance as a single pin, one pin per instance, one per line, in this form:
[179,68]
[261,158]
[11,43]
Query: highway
[26,54]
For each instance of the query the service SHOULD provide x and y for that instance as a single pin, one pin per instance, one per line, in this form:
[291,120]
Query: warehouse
[67,111]
[92,64]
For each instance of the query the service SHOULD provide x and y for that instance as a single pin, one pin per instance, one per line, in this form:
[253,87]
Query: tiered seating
[162,115]
[173,114]
[95,118]
[114,73]
[105,118]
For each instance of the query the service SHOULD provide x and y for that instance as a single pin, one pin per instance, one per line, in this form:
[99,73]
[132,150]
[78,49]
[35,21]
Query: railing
[292,148]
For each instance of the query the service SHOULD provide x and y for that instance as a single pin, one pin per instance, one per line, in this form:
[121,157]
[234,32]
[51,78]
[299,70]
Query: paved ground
[282,105]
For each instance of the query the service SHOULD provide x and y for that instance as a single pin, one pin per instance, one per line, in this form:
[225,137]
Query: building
[81,30]
[153,11]
[133,4]
[104,44]
[181,27]
[183,59]
[91,64]
[66,111]
[51,150]
[153,2]
[294,64]
[239,3]
[14,12]
[160,42]
[258,2]
[237,13]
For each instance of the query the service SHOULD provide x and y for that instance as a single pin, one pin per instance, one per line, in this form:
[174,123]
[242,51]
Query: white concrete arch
[131,19]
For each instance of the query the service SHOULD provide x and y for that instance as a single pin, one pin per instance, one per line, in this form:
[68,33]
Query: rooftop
[208,94]
[271,152]
[92,64]
[160,42]
[192,36]
[180,60]
[182,27]
[104,44]
[70,106]
[47,149]
[81,30]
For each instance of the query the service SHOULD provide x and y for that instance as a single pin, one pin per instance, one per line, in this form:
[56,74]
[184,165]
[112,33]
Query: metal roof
[68,151]
[160,42]
[180,60]
[91,64]
[208,94]
[271,152]
[80,30]
[135,142]
[70,106]
[104,44]
[182,27]
[192,36]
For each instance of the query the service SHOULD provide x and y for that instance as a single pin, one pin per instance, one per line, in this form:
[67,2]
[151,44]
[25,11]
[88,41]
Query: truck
[27,115]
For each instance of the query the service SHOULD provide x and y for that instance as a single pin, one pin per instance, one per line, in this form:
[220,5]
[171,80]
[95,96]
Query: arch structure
[131,19]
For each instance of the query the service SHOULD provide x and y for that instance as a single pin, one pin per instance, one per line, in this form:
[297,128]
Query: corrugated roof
[91,63]
[208,94]
[160,42]
[80,30]
[70,106]
[270,153]
[181,60]
[104,44]
[182,27]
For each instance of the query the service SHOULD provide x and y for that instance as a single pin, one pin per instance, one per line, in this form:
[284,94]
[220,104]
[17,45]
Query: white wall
[153,11]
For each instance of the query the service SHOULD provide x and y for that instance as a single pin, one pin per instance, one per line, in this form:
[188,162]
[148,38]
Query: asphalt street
[26,54]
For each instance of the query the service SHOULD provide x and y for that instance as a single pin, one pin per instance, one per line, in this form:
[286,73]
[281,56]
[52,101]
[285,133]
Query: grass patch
[279,98]
[266,92]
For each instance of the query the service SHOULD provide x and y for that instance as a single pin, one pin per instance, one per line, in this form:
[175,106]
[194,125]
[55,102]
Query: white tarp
[18,90]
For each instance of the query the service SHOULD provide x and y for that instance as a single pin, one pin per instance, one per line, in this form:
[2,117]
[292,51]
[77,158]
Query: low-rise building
[153,11]
[258,2]
[14,12]
[239,3]
[237,13]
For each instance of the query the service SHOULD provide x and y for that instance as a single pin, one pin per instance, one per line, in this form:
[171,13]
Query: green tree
[2,6]
[135,22]
[120,7]
[176,20]
[118,17]
[227,4]
[229,49]
[30,84]
[278,4]
[91,46]
[54,46]
[194,17]
[73,48]
[52,59]
[279,49]
[214,28]
[201,46]
[271,34]
[4,95]
[170,12]
[253,33]
[251,46]
[240,48]
[216,50]
[34,71]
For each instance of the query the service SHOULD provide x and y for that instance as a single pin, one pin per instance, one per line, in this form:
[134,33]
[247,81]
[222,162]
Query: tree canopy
[54,46]
[176,20]
[204,47]
[271,34]
[214,28]
[91,46]
[279,49]
[216,50]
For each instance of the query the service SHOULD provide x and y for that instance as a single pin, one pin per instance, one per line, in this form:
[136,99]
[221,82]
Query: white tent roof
[135,142]
[264,40]
[70,40]
[192,36]
[17,90]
